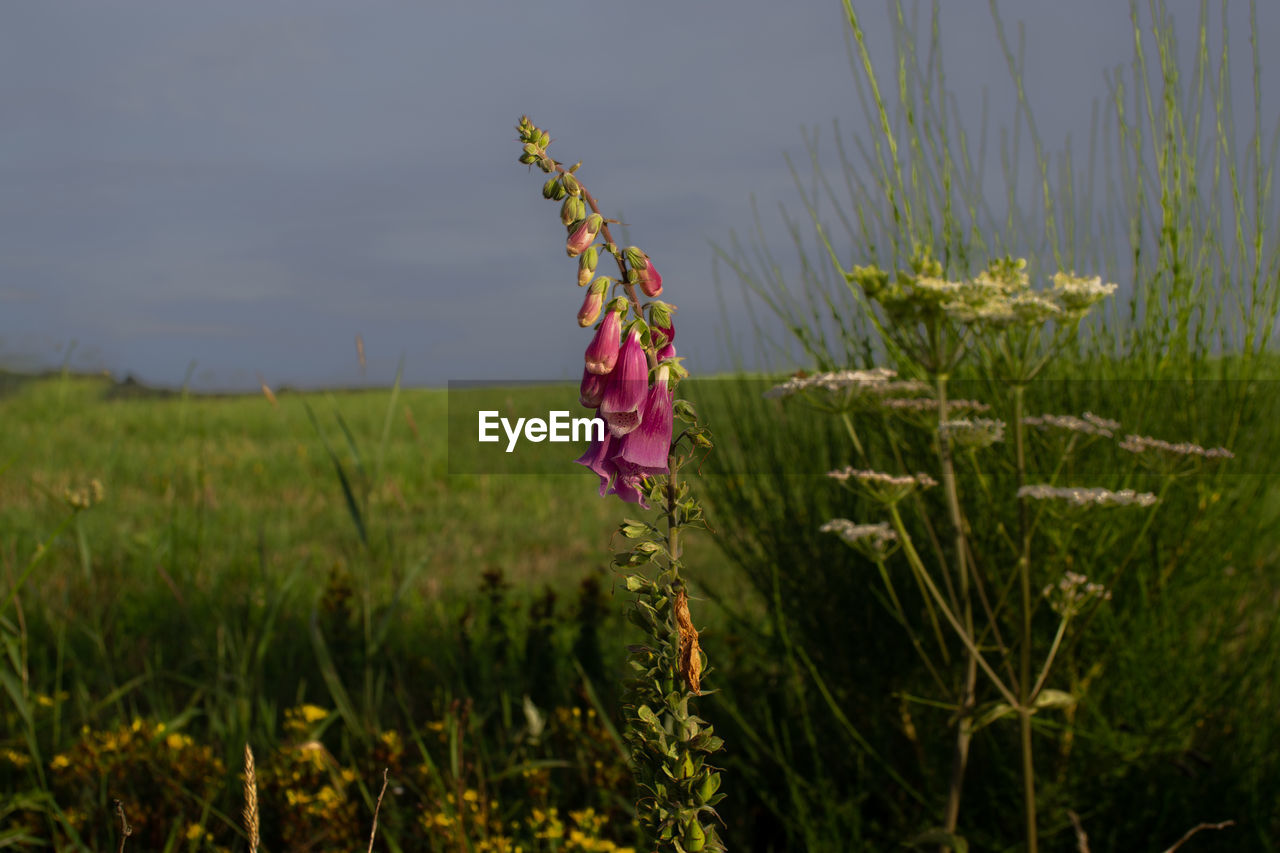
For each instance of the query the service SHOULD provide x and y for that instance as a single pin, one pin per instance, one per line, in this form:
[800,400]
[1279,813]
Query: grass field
[229,573]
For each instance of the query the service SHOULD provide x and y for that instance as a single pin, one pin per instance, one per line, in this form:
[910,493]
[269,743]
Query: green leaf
[1054,699]
[987,713]
[634,529]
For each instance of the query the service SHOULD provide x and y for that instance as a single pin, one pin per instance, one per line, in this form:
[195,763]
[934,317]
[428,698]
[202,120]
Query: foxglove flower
[602,352]
[582,234]
[628,383]
[668,351]
[591,391]
[593,302]
[628,487]
[597,458]
[646,275]
[669,330]
[644,450]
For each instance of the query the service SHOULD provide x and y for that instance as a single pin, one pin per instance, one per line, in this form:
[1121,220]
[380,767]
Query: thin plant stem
[1024,662]
[964,726]
[933,591]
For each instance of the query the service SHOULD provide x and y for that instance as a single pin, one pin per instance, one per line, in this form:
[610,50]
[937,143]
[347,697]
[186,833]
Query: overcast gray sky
[251,183]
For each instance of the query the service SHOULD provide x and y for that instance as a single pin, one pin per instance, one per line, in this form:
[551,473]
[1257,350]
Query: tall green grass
[1176,205]
[251,556]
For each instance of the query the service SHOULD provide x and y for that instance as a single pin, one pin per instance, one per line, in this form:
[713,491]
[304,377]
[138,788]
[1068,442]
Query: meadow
[229,573]
[466,632]
[1057,625]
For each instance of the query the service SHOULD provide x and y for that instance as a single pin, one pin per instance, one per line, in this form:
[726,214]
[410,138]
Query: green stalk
[964,728]
[1025,687]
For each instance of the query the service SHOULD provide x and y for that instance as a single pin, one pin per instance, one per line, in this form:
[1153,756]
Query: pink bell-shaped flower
[644,450]
[602,352]
[597,458]
[628,384]
[628,487]
[592,303]
[582,234]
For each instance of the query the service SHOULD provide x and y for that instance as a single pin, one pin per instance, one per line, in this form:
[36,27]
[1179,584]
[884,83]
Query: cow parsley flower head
[1083,497]
[1077,294]
[1072,592]
[875,541]
[885,488]
[973,432]
[1143,443]
[1089,424]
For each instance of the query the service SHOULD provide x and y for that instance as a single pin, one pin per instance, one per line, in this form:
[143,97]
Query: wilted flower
[602,352]
[876,541]
[1077,496]
[620,406]
[582,234]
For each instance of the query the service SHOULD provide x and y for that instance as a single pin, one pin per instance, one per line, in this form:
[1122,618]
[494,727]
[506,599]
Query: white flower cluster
[1071,593]
[881,478]
[1077,496]
[928,404]
[1090,424]
[835,382]
[973,432]
[876,541]
[1001,297]
[886,488]
[1142,443]
[1077,293]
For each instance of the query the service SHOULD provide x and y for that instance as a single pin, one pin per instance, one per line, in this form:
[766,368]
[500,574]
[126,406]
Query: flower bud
[650,279]
[587,265]
[583,234]
[533,150]
[593,303]
[573,210]
[549,188]
[602,352]
[571,186]
[644,273]
[660,321]
[695,838]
